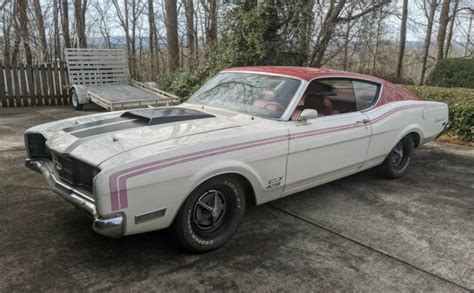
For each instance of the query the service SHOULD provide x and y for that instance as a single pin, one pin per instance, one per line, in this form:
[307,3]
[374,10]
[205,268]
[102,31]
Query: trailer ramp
[101,76]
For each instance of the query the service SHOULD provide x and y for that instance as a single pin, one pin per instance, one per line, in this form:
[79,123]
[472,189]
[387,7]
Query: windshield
[261,95]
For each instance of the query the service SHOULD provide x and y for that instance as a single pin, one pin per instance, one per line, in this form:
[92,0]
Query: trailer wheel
[74,100]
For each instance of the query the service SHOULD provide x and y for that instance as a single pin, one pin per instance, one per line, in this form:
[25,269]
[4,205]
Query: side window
[332,96]
[365,94]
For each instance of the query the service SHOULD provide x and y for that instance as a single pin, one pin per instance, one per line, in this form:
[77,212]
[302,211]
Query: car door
[331,146]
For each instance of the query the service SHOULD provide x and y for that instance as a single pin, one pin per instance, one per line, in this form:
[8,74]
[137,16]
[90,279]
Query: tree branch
[367,11]
[2,6]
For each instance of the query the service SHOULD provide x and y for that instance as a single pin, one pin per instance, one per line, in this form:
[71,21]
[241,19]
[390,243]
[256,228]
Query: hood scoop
[156,116]
[136,118]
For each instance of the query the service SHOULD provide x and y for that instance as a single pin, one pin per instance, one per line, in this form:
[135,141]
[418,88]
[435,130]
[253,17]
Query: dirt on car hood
[96,138]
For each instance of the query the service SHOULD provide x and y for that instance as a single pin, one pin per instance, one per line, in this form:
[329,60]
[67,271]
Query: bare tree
[305,25]
[56,41]
[102,11]
[7,20]
[433,4]
[443,23]
[189,11]
[452,19]
[79,15]
[212,27]
[172,34]
[43,46]
[467,52]
[151,38]
[65,23]
[331,19]
[403,36]
[23,27]
[378,32]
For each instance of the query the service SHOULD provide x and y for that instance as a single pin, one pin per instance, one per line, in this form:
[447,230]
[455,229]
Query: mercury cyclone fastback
[250,135]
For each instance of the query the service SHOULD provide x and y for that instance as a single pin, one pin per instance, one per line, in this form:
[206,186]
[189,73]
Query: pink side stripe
[119,196]
[122,180]
[114,192]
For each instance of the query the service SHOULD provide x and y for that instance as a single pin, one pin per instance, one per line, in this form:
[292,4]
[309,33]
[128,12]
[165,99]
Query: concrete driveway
[360,233]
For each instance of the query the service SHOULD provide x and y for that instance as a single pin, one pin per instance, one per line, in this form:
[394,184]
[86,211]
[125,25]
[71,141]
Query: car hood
[96,138]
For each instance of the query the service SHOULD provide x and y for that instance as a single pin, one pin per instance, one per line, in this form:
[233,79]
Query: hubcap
[209,211]
[397,155]
[75,102]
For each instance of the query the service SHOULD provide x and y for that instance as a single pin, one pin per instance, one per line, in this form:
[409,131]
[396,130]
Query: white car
[250,135]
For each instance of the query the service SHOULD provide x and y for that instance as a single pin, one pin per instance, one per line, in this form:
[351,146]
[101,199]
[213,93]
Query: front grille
[74,171]
[64,167]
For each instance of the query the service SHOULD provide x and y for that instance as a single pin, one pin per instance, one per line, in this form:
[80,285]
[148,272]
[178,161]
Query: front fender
[229,167]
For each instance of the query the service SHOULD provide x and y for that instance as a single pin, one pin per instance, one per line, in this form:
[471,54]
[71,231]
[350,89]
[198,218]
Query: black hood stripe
[137,118]
[92,124]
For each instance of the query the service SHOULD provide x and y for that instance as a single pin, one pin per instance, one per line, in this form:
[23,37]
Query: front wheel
[210,215]
[74,100]
[396,164]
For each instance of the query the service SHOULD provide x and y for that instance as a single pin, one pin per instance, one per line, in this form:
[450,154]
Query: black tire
[74,100]
[198,229]
[396,164]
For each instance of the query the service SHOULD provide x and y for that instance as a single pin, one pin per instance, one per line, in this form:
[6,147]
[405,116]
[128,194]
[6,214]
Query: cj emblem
[275,182]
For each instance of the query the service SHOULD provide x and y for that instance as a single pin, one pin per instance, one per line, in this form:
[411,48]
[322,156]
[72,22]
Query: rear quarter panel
[392,121]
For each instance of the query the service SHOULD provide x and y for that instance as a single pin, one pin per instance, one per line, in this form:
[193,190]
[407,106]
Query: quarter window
[365,94]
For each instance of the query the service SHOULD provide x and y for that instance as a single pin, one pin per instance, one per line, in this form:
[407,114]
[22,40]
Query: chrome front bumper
[111,226]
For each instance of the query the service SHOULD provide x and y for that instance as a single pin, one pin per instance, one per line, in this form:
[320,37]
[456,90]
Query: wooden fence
[37,85]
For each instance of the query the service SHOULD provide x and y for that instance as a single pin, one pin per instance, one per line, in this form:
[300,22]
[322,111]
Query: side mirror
[308,114]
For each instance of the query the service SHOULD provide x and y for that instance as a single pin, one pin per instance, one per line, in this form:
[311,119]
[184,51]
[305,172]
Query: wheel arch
[415,132]
[244,173]
[81,92]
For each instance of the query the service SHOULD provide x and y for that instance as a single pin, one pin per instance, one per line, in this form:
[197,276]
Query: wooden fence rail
[37,85]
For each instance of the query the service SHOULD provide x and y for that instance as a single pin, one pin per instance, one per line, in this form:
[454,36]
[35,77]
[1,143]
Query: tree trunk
[23,27]
[306,25]
[427,42]
[56,30]
[325,33]
[65,24]
[189,10]
[172,35]
[377,40]
[452,19]
[403,36]
[6,30]
[16,45]
[347,34]
[133,38]
[151,38]
[443,23]
[212,27]
[331,19]
[79,15]
[43,46]
[468,52]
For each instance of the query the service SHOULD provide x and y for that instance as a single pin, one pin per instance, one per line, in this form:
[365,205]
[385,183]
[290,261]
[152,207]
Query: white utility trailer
[101,76]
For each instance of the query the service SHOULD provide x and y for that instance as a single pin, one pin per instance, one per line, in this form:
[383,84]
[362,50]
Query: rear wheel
[396,164]
[74,100]
[210,215]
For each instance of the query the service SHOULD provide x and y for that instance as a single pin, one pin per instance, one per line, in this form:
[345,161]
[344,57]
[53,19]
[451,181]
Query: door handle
[363,121]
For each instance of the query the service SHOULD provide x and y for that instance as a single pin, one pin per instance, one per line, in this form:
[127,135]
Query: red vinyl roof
[306,73]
